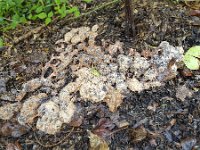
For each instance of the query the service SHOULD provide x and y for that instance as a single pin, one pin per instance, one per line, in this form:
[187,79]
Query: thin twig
[53,145]
[27,35]
[118,130]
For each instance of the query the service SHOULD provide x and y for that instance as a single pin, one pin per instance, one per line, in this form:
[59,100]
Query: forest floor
[119,92]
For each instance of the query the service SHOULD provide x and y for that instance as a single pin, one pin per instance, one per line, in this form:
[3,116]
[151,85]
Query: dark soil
[174,124]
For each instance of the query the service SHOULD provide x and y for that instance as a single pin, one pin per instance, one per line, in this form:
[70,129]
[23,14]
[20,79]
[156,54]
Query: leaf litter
[108,82]
[99,73]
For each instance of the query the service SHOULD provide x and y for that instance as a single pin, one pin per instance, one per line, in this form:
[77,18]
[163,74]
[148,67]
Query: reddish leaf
[104,127]
[186,72]
[195,13]
[76,122]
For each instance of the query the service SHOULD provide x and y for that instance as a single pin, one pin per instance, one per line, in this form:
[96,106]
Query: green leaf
[194,51]
[74,10]
[1,19]
[1,42]
[42,15]
[23,19]
[62,11]
[77,13]
[34,17]
[191,58]
[191,62]
[50,14]
[13,25]
[58,2]
[95,72]
[15,17]
[30,16]
[47,21]
[34,7]
[39,9]
[87,1]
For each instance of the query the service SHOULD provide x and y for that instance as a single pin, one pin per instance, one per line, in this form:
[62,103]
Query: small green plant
[191,58]
[15,12]
[1,42]
[95,72]
[87,1]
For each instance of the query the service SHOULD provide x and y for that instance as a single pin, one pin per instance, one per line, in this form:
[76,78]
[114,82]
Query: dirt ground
[155,118]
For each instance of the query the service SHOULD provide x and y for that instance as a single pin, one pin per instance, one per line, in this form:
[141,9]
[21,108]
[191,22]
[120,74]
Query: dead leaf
[195,13]
[28,111]
[103,128]
[182,92]
[20,96]
[114,98]
[112,49]
[32,85]
[7,111]
[188,143]
[153,142]
[153,107]
[186,72]
[170,124]
[122,124]
[29,86]
[138,134]
[135,85]
[146,53]
[97,143]
[13,146]
[13,129]
[76,121]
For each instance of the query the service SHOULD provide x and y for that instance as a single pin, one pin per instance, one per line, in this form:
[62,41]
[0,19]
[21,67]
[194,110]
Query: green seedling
[87,1]
[1,42]
[192,58]
[95,72]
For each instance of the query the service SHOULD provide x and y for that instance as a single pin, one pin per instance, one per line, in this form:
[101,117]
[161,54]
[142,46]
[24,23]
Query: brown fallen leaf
[193,4]
[29,86]
[29,108]
[7,111]
[153,142]
[97,143]
[13,129]
[112,49]
[32,85]
[170,124]
[20,96]
[188,143]
[13,146]
[195,13]
[182,92]
[138,134]
[186,72]
[146,53]
[114,98]
[76,121]
[152,107]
